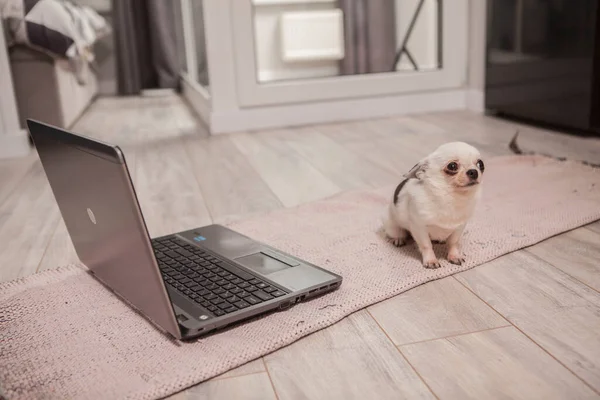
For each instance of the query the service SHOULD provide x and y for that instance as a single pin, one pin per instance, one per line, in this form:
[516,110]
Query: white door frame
[196,94]
[238,103]
[14,141]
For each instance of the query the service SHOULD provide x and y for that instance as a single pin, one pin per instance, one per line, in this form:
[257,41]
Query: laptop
[187,283]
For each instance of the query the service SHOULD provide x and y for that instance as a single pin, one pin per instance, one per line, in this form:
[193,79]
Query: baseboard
[197,97]
[336,111]
[475,100]
[14,144]
[157,92]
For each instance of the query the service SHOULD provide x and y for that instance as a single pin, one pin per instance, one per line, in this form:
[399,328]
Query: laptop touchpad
[262,263]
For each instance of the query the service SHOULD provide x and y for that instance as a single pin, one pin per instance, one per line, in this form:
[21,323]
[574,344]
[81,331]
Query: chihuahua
[436,200]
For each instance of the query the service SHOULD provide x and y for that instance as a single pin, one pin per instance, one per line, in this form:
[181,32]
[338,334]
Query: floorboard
[293,179]
[60,250]
[247,387]
[28,219]
[347,170]
[496,364]
[12,173]
[374,146]
[186,178]
[493,131]
[556,311]
[595,227]
[229,184]
[577,253]
[435,310]
[252,367]
[352,359]
[170,196]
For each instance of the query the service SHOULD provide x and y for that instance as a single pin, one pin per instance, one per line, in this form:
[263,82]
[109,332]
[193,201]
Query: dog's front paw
[455,257]
[431,263]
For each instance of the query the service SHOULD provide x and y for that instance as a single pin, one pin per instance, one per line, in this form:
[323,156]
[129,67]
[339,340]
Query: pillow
[56,27]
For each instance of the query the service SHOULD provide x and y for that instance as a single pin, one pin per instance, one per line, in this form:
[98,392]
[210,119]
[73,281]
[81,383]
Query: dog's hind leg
[395,234]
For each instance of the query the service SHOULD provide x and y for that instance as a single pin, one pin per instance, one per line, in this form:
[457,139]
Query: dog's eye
[481,165]
[452,166]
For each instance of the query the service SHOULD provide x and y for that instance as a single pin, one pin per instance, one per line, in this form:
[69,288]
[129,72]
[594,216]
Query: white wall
[477,35]
[477,50]
[422,44]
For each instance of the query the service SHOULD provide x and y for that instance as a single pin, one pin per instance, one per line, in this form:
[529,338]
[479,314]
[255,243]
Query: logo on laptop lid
[92,216]
[199,238]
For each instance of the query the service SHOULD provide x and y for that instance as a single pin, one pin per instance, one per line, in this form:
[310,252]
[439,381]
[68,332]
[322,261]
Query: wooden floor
[525,326]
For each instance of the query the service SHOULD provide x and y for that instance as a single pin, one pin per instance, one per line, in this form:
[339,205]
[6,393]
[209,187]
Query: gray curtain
[146,45]
[369,36]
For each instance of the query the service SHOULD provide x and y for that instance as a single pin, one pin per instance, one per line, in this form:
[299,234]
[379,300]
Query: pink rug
[63,336]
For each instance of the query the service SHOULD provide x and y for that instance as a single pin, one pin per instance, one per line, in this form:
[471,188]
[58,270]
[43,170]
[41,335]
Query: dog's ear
[418,170]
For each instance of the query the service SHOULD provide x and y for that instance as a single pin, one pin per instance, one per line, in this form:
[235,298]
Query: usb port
[312,291]
[285,305]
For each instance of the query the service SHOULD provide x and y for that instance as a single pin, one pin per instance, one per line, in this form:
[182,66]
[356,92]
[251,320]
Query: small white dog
[436,200]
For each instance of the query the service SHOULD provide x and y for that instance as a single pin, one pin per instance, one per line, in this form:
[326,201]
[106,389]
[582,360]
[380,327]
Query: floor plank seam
[48,245]
[270,378]
[417,372]
[18,182]
[200,189]
[484,302]
[222,378]
[402,355]
[257,171]
[589,229]
[324,173]
[456,335]
[249,164]
[536,343]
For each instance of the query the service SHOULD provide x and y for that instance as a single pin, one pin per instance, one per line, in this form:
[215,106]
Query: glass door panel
[320,39]
[308,50]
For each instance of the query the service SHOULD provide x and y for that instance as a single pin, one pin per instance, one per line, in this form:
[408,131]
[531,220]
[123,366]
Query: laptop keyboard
[219,287]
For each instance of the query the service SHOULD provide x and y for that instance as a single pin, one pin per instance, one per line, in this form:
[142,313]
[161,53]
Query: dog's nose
[472,174]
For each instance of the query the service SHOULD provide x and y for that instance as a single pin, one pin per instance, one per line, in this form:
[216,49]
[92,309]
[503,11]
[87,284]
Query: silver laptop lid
[95,195]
